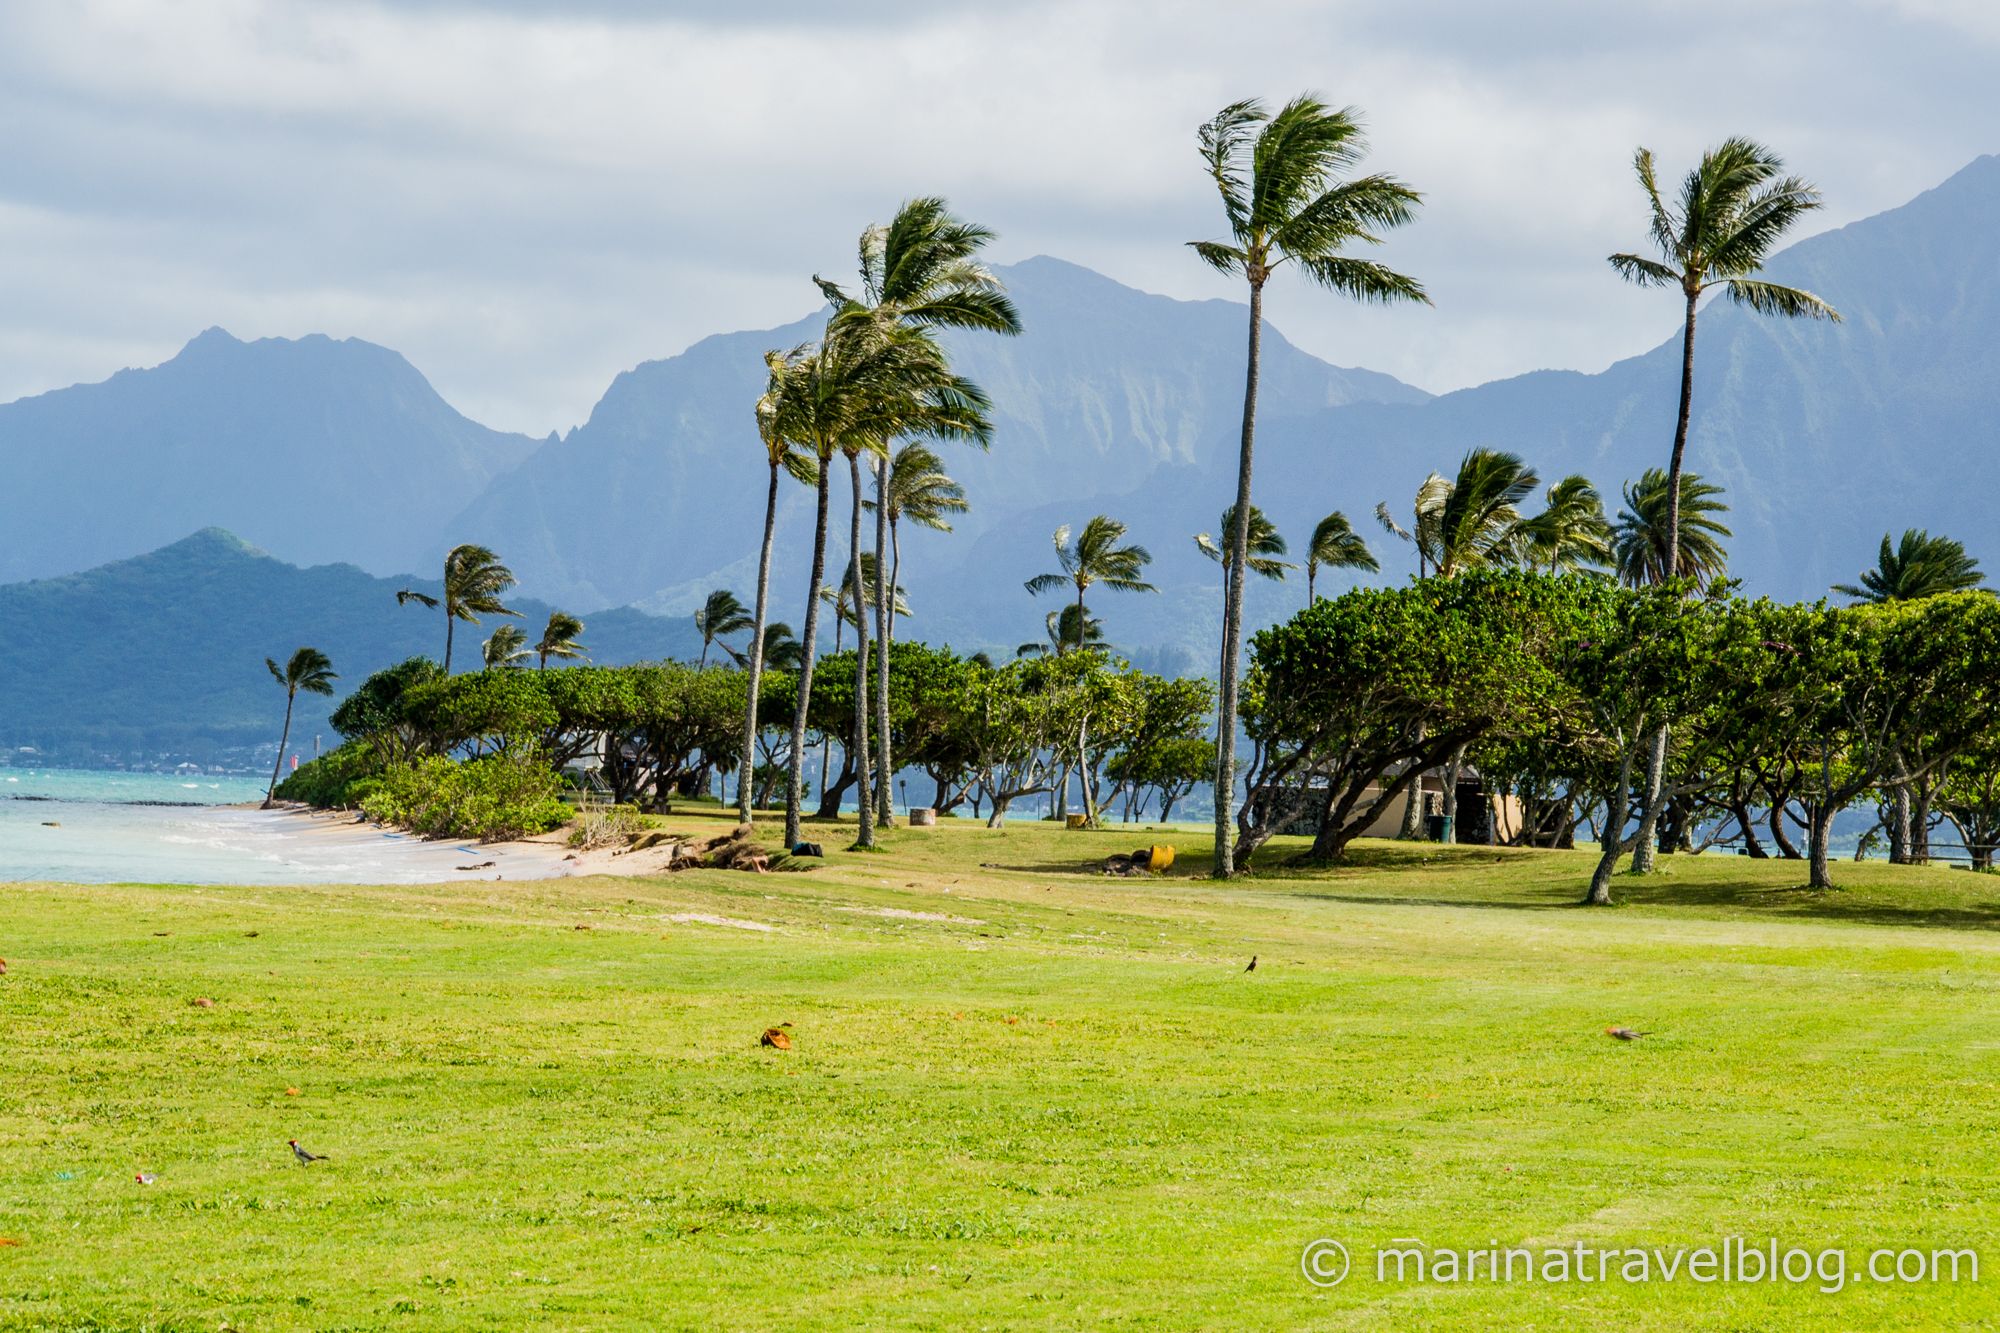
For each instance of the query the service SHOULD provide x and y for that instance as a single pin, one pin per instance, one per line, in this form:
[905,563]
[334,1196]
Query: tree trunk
[1751,847]
[1899,824]
[1646,846]
[1413,812]
[284,739]
[885,810]
[1000,804]
[746,771]
[450,624]
[1616,806]
[1786,847]
[1232,597]
[864,795]
[1312,569]
[1673,561]
[1452,769]
[808,641]
[1820,826]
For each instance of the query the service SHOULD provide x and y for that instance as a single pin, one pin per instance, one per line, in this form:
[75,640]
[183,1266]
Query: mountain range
[161,657]
[1112,400]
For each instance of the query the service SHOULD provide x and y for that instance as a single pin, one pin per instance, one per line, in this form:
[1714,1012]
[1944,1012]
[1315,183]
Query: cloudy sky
[527,198]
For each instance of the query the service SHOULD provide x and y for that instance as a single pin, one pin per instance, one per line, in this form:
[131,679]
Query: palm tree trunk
[1312,570]
[885,809]
[284,739]
[863,802]
[746,769]
[703,662]
[1082,620]
[807,642]
[1673,562]
[895,575]
[1232,598]
[450,623]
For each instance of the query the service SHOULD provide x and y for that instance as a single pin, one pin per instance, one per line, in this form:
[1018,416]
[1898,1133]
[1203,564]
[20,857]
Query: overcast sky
[526,199]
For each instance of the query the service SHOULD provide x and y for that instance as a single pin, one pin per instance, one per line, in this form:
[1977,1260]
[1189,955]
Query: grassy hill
[162,656]
[1020,1094]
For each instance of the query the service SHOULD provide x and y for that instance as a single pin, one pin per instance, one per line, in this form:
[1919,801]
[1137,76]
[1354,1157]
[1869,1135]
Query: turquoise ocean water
[87,827]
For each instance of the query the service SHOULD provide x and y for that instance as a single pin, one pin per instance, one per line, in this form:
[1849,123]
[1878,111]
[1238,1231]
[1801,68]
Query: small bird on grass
[145,1177]
[1625,1034]
[305,1158]
[1253,964]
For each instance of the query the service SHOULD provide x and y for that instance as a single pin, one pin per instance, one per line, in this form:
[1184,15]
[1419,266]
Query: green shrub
[499,796]
[339,778]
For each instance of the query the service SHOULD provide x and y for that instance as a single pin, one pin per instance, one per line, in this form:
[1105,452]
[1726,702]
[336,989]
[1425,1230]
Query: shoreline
[545,856]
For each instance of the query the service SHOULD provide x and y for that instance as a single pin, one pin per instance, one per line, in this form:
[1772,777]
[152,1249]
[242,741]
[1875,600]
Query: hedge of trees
[987,735]
[1555,687]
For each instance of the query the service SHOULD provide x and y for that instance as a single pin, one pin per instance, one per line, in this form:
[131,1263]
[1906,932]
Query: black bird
[1253,964]
[305,1158]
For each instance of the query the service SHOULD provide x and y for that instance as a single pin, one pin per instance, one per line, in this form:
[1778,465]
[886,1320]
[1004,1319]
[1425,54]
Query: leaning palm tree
[1063,636]
[870,382]
[1470,519]
[1265,545]
[781,454]
[1279,178]
[1571,532]
[721,613]
[920,273]
[559,639]
[310,670]
[1640,540]
[507,647]
[1335,545]
[1732,211]
[920,491]
[1094,557]
[781,647]
[1920,565]
[474,579]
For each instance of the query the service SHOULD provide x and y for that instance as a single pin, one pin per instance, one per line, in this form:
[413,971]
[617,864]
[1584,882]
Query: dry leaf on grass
[776,1037]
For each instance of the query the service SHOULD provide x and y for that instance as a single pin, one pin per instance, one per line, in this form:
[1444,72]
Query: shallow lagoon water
[83,827]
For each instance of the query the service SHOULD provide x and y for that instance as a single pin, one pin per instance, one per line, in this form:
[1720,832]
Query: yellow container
[1075,821]
[1163,860]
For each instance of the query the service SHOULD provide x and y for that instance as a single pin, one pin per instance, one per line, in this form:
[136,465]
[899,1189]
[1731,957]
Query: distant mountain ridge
[162,656]
[323,449]
[1113,400]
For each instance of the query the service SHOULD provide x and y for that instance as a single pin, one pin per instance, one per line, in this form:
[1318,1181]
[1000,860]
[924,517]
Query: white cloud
[525,204]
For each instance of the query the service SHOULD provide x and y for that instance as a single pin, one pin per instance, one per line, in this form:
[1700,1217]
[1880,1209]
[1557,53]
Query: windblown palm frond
[1265,545]
[1918,566]
[1571,532]
[559,638]
[506,647]
[1336,545]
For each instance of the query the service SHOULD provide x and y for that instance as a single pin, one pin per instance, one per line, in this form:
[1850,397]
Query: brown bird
[1253,964]
[775,1037]
[1625,1034]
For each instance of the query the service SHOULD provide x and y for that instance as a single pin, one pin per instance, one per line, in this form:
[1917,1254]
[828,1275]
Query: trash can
[1438,827]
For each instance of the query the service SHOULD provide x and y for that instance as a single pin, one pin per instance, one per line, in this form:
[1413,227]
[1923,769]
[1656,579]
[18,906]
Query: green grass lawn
[1019,1094]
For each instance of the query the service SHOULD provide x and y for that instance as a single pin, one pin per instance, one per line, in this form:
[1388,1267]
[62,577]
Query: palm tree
[781,454]
[559,639]
[1264,545]
[1335,545]
[1471,519]
[841,599]
[1919,566]
[474,579]
[1640,541]
[1278,178]
[310,670]
[720,614]
[507,647]
[920,491]
[1571,532]
[781,647]
[920,273]
[1094,557]
[1062,632]
[865,382]
[1733,210]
